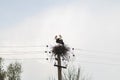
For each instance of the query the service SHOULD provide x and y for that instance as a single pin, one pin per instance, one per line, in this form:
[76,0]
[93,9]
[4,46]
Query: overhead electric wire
[39,52]
[98,56]
[91,56]
[21,52]
[42,52]
[21,46]
[96,51]
[78,61]
[94,62]
[24,58]
[104,63]
[75,49]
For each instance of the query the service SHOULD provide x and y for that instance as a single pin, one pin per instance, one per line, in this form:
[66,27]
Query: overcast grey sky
[85,24]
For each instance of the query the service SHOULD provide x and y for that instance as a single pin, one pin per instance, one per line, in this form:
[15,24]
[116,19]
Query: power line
[22,52]
[25,58]
[40,52]
[95,51]
[8,46]
[98,56]
[94,62]
[35,46]
[50,58]
[103,63]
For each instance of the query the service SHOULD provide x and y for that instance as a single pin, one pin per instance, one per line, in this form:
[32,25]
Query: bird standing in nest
[59,39]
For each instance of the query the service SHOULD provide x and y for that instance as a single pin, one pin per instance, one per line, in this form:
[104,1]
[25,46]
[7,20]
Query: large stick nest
[61,50]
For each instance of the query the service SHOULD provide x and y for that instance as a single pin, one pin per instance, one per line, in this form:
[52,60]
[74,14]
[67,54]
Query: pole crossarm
[60,66]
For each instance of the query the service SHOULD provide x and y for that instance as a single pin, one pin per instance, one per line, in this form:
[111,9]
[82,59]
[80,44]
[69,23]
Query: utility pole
[59,68]
[60,52]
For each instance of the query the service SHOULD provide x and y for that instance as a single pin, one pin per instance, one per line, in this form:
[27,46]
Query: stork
[59,39]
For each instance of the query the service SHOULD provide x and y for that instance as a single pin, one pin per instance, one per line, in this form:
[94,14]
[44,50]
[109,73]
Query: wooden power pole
[59,68]
[59,52]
